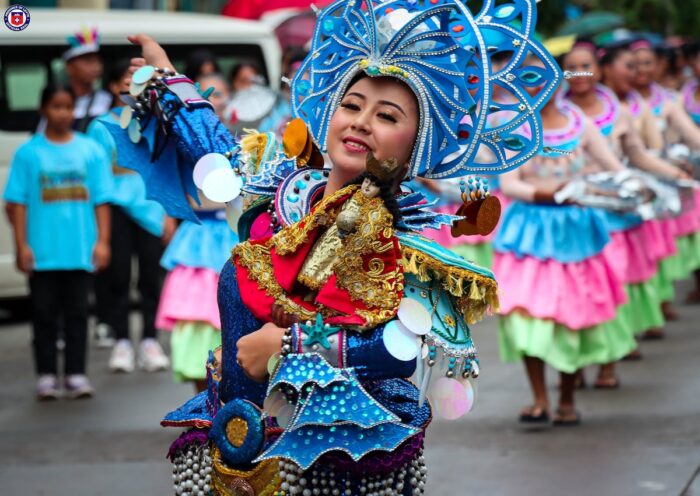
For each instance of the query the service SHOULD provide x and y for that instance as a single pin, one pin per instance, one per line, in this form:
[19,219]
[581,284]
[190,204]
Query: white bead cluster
[192,472]
[327,482]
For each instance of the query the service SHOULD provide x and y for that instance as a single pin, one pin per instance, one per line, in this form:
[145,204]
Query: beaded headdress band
[443,53]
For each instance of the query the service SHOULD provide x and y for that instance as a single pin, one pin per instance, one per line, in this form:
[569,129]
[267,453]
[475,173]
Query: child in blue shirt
[140,228]
[56,199]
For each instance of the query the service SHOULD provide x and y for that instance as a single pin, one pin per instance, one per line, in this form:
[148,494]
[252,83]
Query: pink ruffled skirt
[189,294]
[688,222]
[633,254]
[660,238]
[578,295]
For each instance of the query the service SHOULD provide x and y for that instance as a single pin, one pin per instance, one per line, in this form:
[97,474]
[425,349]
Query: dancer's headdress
[443,53]
[82,43]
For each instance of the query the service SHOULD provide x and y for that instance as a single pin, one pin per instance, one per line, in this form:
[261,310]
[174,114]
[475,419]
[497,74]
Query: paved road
[643,439]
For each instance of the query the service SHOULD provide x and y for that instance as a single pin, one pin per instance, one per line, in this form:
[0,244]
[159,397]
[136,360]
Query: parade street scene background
[350,247]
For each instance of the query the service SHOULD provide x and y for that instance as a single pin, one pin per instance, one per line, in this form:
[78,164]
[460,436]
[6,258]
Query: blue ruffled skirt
[207,245]
[552,232]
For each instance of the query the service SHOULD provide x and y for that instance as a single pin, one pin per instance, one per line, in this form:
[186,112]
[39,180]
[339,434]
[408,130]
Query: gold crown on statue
[385,170]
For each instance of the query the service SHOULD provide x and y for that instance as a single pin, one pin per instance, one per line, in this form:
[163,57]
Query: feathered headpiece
[443,53]
[82,43]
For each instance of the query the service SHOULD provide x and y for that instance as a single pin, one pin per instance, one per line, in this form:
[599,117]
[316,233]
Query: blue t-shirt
[60,184]
[130,190]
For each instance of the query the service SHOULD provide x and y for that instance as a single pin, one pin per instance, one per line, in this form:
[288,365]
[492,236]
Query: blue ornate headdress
[443,53]
[438,48]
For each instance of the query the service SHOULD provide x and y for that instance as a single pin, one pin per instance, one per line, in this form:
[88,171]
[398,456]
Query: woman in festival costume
[632,245]
[617,70]
[690,101]
[676,127]
[193,260]
[315,408]
[577,286]
[140,229]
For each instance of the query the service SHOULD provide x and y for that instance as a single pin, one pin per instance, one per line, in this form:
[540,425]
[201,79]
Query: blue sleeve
[366,353]
[18,183]
[99,133]
[100,178]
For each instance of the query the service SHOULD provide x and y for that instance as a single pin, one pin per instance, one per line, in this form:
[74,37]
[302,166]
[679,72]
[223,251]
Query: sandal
[669,312]
[653,335]
[693,297]
[607,383]
[567,419]
[633,356]
[531,416]
[580,381]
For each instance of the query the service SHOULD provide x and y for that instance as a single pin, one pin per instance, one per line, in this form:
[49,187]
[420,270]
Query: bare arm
[597,148]
[639,157]
[680,121]
[152,53]
[512,185]
[17,215]
[101,253]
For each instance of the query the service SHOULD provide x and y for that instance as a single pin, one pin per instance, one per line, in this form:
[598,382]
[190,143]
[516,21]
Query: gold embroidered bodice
[318,267]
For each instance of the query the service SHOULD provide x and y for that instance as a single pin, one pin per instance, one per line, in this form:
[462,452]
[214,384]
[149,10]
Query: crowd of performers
[357,242]
[604,277]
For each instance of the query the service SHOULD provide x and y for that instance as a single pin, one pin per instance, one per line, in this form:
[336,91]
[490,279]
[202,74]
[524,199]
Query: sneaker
[78,387]
[151,356]
[122,358]
[104,336]
[47,388]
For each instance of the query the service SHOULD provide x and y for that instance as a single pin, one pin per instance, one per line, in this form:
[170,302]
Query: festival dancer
[617,71]
[57,198]
[318,405]
[690,100]
[675,126]
[193,260]
[631,246]
[140,229]
[556,251]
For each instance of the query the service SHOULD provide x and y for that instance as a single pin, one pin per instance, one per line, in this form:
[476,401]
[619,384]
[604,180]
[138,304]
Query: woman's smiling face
[378,115]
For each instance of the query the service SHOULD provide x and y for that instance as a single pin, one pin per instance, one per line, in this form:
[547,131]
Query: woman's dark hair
[194,64]
[51,89]
[386,193]
[610,54]
[114,74]
[237,68]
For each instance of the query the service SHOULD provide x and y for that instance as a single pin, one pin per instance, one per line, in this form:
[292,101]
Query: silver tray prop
[628,191]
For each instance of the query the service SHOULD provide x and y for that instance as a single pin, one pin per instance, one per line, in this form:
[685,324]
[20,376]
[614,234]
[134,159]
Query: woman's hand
[255,350]
[25,259]
[169,227]
[101,255]
[152,53]
[546,194]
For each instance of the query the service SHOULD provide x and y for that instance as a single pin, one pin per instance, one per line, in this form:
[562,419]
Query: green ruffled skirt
[564,349]
[190,343]
[689,252]
[481,254]
[643,308]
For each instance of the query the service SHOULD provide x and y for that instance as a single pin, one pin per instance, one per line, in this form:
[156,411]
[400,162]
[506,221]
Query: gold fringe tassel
[476,294]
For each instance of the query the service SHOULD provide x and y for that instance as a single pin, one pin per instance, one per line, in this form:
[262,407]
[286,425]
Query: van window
[25,70]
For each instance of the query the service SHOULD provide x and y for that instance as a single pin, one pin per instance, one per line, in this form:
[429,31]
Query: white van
[30,58]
